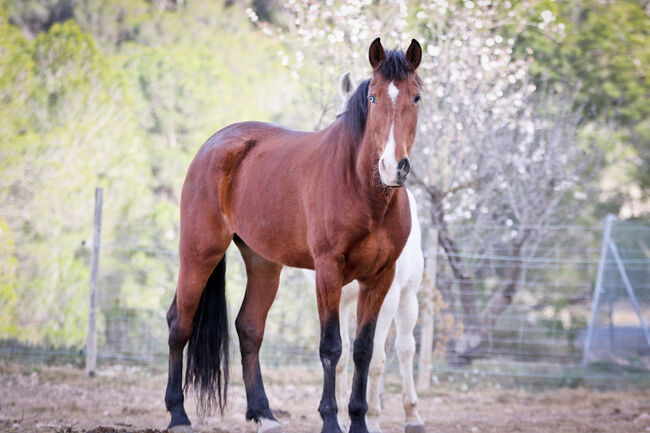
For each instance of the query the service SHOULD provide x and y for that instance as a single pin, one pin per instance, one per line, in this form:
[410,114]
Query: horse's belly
[275,239]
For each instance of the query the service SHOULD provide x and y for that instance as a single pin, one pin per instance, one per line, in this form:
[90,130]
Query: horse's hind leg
[200,253]
[405,321]
[193,275]
[263,277]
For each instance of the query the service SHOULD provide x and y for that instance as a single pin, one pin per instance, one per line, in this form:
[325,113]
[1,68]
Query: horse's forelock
[395,66]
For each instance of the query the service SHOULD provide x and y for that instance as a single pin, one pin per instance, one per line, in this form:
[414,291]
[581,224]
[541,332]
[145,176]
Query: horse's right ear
[376,53]
[345,86]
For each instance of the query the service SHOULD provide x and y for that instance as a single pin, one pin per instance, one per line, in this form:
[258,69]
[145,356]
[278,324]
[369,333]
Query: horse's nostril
[404,167]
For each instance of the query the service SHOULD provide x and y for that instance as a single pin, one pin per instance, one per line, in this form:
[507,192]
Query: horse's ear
[345,86]
[414,54]
[376,53]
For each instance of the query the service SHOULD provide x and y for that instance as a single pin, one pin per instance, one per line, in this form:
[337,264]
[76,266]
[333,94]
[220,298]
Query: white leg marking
[269,426]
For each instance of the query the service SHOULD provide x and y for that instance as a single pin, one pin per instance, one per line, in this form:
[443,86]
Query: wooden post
[427,314]
[91,343]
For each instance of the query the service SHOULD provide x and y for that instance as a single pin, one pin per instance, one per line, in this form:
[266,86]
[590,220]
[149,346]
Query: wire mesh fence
[537,337]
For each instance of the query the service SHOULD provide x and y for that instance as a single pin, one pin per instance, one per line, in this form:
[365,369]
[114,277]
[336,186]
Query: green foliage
[8,283]
[121,94]
[604,55]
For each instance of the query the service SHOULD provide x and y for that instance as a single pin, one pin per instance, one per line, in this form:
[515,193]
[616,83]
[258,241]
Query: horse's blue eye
[416,99]
[372,98]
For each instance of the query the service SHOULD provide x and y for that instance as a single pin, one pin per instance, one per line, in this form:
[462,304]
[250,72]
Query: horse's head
[393,96]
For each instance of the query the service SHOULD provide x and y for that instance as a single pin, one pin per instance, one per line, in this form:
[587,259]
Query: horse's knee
[377,362]
[406,347]
[362,354]
[331,348]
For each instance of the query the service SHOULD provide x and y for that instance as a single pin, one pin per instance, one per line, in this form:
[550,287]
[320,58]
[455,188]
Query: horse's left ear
[414,54]
[376,53]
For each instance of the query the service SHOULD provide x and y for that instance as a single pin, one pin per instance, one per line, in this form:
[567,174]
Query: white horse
[401,305]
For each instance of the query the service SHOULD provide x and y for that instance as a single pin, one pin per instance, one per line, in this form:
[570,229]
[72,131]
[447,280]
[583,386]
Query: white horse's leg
[348,298]
[386,315]
[407,316]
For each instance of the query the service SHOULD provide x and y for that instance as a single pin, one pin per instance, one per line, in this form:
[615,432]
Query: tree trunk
[476,327]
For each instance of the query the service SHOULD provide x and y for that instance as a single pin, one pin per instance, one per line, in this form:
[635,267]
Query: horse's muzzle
[403,170]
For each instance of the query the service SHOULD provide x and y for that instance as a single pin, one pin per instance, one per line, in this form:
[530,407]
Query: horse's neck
[359,155]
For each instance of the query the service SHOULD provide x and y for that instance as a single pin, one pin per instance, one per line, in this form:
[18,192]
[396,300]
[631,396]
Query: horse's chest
[370,255]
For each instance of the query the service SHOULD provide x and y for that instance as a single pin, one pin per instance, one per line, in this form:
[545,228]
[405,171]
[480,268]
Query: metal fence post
[598,287]
[91,343]
[630,290]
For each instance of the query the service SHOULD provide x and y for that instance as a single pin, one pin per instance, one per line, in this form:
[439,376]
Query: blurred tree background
[121,94]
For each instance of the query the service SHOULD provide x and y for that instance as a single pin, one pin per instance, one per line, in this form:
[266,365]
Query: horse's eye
[372,98]
[416,99]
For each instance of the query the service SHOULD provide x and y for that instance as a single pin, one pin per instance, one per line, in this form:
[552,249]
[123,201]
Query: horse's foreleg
[348,298]
[262,282]
[371,296]
[329,281]
[405,321]
[386,314]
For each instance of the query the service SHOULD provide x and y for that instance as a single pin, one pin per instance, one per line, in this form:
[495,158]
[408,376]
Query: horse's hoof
[269,426]
[418,428]
[183,428]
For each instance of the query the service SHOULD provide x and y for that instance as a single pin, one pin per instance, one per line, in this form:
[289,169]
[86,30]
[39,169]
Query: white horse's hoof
[184,428]
[269,426]
[418,428]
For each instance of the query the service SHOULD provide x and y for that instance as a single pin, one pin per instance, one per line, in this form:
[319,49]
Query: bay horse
[400,306]
[331,201]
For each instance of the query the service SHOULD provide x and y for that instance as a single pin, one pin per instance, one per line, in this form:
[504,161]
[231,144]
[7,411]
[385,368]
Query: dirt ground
[130,399]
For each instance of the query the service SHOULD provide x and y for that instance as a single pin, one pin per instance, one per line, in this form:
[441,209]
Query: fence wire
[537,338]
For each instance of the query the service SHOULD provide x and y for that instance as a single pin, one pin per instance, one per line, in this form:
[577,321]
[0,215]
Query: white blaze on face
[387,162]
[393,91]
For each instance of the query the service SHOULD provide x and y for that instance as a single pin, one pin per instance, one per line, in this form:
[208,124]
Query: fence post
[628,286]
[427,330]
[598,287]
[91,343]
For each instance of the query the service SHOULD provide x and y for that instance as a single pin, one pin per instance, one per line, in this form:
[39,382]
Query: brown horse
[330,201]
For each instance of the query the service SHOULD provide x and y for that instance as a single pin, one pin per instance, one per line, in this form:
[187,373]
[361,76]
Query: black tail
[207,349]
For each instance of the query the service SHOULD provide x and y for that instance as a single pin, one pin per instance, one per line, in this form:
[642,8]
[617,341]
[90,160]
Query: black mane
[394,67]
[356,110]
